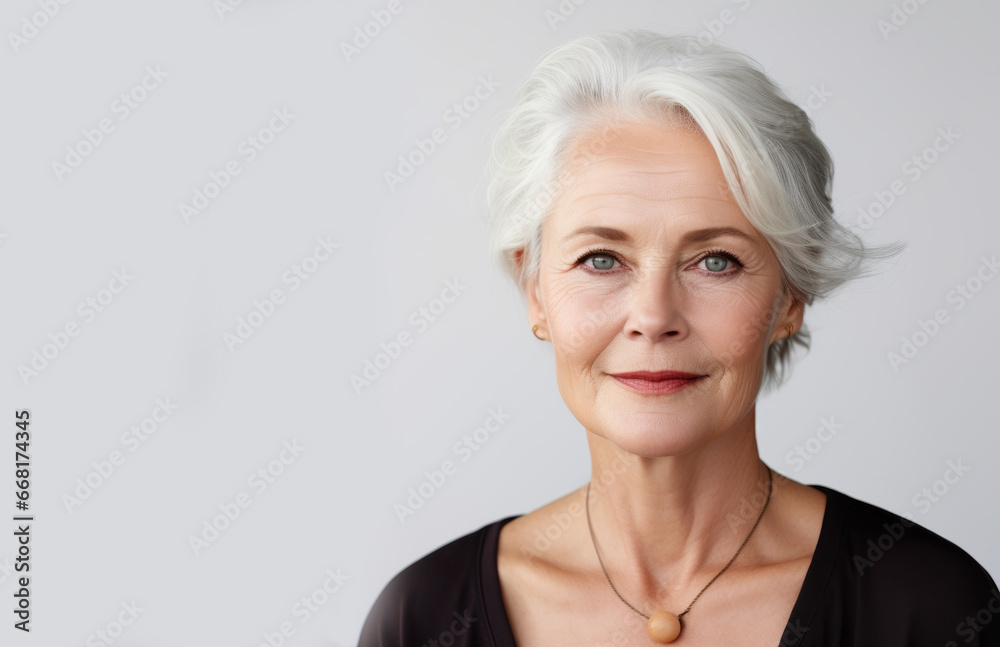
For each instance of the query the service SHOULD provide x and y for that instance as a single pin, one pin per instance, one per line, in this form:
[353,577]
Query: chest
[750,609]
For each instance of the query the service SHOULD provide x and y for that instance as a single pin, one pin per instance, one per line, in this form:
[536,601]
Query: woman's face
[637,275]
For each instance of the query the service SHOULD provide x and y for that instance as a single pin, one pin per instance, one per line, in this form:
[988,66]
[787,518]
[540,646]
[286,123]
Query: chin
[653,435]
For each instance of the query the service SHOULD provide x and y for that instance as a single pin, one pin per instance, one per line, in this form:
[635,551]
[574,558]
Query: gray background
[882,101]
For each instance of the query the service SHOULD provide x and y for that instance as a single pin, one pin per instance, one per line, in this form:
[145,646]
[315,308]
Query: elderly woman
[666,212]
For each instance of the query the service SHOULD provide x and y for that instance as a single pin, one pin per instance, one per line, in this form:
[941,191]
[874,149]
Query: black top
[876,579]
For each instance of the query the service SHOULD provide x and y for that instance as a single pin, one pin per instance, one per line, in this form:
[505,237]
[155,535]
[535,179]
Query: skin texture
[677,478]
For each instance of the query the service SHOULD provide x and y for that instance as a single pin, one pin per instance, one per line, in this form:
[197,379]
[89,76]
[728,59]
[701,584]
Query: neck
[662,523]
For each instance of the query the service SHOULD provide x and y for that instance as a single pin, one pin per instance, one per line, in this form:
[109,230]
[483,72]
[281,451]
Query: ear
[536,309]
[792,314]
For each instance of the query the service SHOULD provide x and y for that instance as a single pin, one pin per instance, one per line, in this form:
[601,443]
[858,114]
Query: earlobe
[532,291]
[791,322]
[536,312]
[796,313]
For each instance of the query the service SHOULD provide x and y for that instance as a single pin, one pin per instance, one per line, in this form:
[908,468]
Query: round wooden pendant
[664,627]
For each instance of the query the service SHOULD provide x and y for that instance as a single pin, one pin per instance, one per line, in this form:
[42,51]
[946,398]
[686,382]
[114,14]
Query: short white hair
[778,170]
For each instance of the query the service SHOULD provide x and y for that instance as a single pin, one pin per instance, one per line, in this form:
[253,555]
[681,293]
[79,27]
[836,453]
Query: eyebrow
[695,236]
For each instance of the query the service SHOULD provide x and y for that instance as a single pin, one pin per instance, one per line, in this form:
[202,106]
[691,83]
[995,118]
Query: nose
[656,308]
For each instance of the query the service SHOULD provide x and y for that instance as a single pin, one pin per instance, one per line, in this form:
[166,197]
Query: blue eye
[718,261]
[603,259]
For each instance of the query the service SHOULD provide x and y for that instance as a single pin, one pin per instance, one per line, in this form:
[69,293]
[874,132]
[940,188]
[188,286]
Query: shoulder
[436,594]
[875,536]
[895,563]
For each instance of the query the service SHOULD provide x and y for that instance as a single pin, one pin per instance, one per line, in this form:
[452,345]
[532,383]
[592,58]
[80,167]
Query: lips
[656,383]
[656,376]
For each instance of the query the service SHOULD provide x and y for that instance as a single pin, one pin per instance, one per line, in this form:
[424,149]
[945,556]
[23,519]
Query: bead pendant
[664,627]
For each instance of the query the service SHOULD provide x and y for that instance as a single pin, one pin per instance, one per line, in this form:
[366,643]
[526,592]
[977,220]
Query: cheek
[735,327]
[582,318]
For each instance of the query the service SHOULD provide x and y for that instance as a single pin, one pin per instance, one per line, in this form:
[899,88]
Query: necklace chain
[770,485]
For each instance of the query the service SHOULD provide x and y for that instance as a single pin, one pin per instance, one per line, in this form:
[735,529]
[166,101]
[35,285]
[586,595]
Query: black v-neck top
[876,579]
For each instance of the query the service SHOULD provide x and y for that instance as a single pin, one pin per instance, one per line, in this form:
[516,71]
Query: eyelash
[712,252]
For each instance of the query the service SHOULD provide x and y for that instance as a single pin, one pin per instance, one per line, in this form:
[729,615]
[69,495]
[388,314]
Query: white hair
[777,169]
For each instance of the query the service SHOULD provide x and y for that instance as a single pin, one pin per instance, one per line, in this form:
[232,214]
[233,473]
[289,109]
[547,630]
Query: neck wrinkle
[663,523]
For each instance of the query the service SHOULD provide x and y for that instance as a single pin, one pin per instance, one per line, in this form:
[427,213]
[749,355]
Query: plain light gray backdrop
[878,98]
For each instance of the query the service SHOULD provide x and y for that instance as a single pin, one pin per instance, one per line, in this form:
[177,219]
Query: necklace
[664,627]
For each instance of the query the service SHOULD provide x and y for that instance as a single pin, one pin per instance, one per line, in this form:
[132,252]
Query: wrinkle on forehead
[627,166]
[680,191]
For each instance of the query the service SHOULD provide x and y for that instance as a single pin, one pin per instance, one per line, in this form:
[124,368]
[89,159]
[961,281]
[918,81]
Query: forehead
[636,168]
